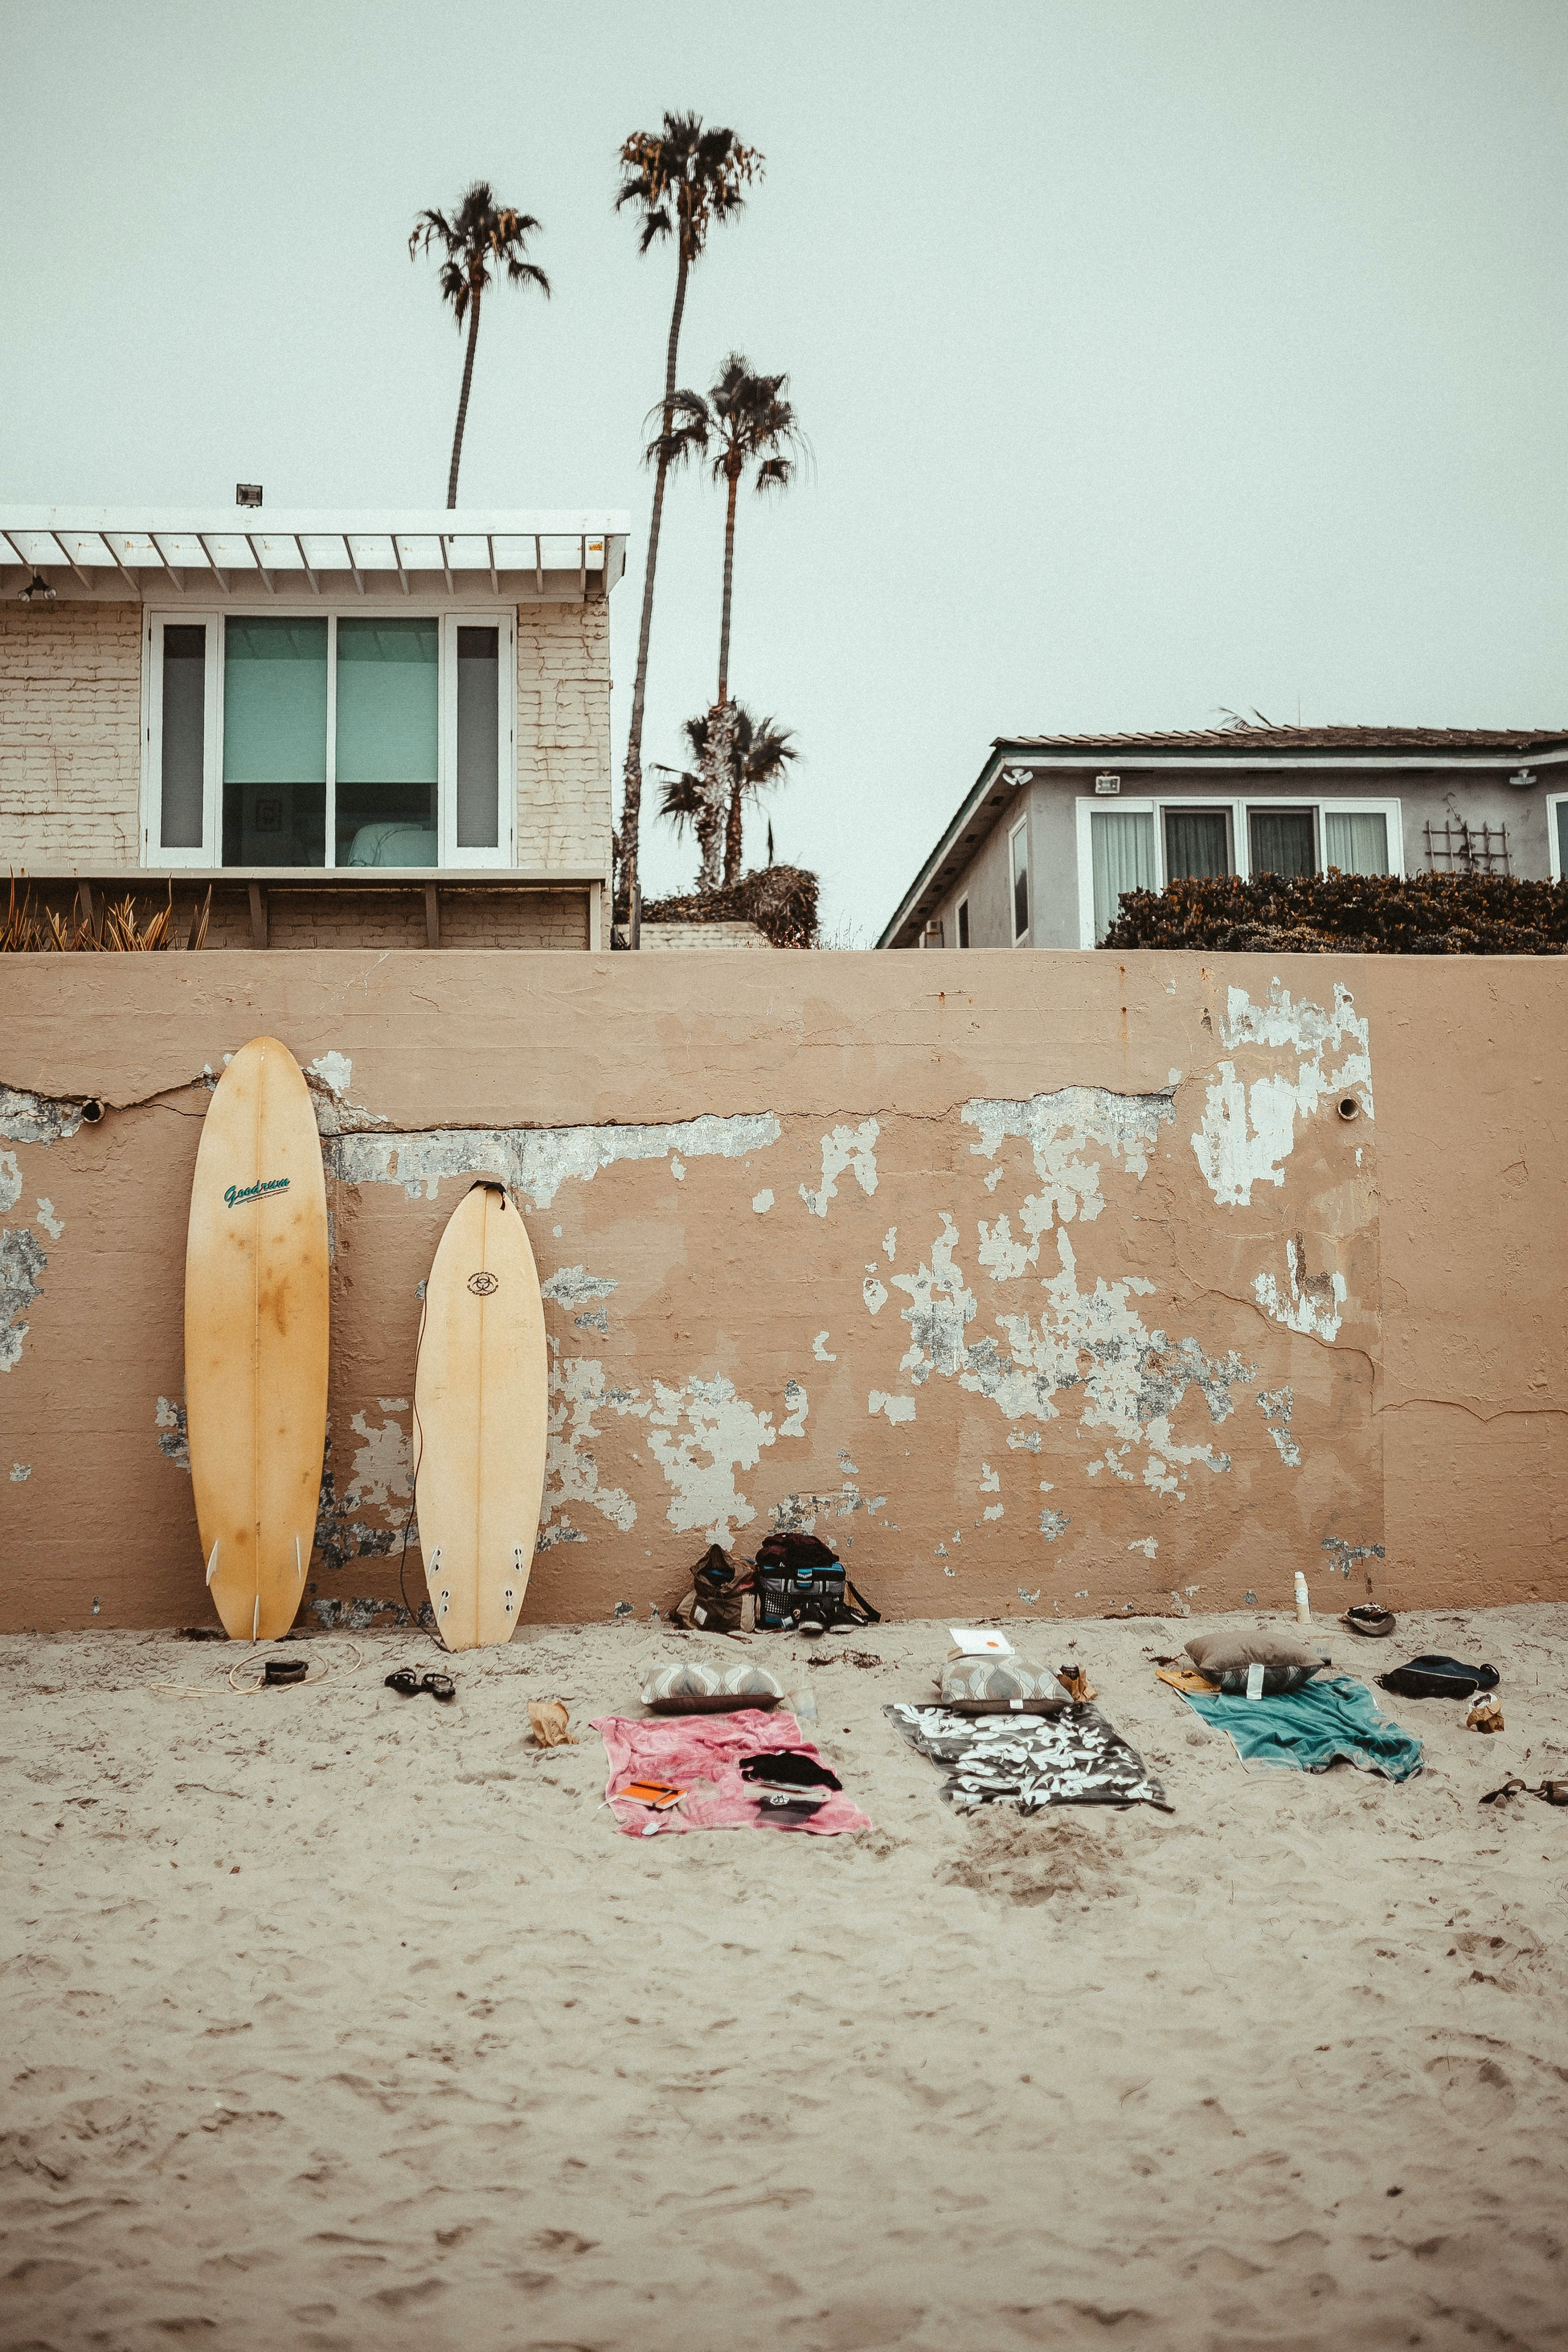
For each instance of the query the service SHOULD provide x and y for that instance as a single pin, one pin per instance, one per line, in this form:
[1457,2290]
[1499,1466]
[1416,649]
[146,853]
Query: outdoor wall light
[37,591]
[1523,781]
[248,494]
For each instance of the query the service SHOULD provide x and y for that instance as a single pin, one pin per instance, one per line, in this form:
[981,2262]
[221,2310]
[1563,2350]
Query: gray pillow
[1224,1658]
[692,1687]
[1009,1685]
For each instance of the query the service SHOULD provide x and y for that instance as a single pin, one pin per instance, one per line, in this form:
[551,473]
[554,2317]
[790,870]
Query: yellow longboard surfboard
[255,1338]
[480,1393]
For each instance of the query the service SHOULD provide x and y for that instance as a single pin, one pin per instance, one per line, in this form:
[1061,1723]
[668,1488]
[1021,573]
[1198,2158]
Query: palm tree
[481,238]
[761,751]
[681,180]
[745,424]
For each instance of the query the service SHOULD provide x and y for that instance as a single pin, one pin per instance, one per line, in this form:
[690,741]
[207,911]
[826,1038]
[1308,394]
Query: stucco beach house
[354,729]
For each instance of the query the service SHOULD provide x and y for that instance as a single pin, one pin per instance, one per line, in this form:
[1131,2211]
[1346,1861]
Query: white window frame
[1554,800]
[1156,804]
[449,615]
[1020,937]
[153,852]
[961,923]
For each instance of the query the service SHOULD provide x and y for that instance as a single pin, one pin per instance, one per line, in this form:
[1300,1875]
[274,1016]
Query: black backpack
[801,1588]
[1439,1677]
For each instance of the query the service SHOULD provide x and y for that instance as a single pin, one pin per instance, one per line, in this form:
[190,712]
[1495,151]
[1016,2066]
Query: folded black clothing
[785,1768]
[1432,1676]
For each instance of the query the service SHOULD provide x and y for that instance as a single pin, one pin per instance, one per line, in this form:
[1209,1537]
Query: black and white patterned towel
[1071,1758]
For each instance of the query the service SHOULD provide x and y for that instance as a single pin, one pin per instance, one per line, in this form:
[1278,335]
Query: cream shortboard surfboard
[255,1338]
[479,1404]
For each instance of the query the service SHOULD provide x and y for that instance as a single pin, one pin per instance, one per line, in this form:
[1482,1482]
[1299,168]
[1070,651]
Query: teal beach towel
[1310,1728]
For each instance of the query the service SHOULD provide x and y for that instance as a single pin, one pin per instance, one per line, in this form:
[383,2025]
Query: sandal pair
[409,1684]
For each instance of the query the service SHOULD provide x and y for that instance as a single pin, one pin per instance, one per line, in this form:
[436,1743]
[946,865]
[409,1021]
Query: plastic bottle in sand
[1303,1605]
[803,1704]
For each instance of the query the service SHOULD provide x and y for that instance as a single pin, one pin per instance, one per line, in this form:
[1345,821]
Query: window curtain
[1122,842]
[1282,841]
[388,701]
[1355,843]
[275,702]
[1197,844]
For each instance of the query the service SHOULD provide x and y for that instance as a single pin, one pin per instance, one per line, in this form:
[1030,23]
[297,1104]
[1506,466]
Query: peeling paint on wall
[174,1439]
[1275,1405]
[21,1263]
[536,1162]
[897,1408]
[578,1393]
[1310,1303]
[37,1118]
[851,1149]
[702,1434]
[1249,1130]
[10,1182]
[20,1472]
[573,1286]
[1345,1556]
[54,1226]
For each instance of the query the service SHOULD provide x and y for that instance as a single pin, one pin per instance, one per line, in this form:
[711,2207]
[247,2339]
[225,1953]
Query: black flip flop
[404,1681]
[440,1686]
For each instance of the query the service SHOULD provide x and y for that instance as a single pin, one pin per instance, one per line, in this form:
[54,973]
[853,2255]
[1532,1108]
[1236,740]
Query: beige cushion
[994,1685]
[692,1686]
[1224,1658]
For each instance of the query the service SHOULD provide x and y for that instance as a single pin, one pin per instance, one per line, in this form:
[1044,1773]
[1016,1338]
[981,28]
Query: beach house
[382,728]
[1056,828]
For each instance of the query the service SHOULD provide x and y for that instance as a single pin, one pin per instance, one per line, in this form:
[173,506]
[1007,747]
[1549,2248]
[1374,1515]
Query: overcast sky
[1158,356]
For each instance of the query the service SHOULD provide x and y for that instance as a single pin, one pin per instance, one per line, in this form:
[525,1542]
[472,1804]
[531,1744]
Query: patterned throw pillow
[1010,1685]
[1224,1658]
[692,1687]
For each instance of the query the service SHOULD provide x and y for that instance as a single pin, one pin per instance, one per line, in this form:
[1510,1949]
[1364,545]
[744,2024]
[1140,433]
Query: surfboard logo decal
[237,1195]
[481,1285]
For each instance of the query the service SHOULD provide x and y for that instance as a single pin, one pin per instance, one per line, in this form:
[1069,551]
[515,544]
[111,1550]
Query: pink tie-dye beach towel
[703,1754]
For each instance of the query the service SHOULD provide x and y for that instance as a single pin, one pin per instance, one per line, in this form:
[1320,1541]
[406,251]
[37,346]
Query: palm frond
[480,240]
[683,177]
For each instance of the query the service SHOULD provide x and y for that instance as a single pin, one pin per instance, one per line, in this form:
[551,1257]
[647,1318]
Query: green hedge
[1350,914]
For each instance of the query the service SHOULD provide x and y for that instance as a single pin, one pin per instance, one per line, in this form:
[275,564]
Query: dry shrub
[28,930]
[780,899]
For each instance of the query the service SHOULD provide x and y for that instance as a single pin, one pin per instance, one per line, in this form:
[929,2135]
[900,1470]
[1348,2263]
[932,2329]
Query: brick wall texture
[70,714]
[563,735]
[71,719]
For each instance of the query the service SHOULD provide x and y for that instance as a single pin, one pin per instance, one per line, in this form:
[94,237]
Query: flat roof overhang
[232,553]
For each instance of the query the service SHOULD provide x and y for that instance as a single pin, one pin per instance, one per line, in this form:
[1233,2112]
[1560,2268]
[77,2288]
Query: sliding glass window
[388,740]
[479,740]
[274,742]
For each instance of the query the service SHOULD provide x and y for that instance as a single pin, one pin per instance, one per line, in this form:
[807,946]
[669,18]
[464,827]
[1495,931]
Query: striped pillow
[1000,1686]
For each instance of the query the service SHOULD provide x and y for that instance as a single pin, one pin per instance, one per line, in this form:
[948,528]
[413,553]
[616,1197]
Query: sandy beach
[332,2020]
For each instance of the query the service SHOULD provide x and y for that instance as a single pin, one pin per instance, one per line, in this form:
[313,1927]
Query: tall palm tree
[482,239]
[744,425]
[681,180]
[761,751]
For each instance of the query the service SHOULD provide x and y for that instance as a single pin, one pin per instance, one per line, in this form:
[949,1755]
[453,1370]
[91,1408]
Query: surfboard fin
[212,1564]
[256,1619]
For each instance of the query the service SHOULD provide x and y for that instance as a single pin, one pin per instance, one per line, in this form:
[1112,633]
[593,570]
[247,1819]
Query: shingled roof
[1240,740]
